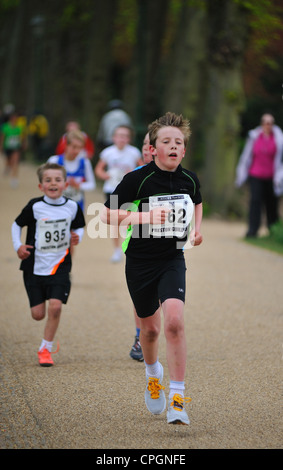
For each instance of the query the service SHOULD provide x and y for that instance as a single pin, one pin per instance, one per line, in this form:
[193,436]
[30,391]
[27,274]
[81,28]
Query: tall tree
[227,26]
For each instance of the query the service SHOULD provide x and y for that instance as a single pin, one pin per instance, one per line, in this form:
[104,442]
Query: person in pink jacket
[261,164]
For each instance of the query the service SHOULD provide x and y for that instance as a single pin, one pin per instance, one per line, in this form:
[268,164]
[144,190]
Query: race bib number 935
[53,235]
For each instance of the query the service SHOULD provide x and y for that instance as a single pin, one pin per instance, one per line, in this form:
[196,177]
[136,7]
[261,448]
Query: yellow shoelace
[178,401]
[154,387]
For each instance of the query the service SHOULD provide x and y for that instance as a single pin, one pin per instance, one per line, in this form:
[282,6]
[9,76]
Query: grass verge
[272,242]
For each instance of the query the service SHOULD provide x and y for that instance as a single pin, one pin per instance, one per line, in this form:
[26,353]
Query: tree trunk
[96,80]
[186,76]
[227,26]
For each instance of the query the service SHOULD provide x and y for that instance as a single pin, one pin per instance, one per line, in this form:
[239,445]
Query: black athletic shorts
[151,283]
[42,288]
[9,152]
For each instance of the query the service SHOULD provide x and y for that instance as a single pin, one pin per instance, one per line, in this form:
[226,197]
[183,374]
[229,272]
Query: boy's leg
[38,311]
[149,336]
[176,346]
[176,349]
[53,319]
[136,350]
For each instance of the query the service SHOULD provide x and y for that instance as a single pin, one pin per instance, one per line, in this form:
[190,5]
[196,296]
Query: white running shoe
[176,413]
[154,394]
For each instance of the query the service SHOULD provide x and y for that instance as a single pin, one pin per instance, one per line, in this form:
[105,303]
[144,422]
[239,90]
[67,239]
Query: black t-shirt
[138,187]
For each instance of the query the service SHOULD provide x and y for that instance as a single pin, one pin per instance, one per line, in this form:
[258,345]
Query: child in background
[115,161]
[88,148]
[80,176]
[11,145]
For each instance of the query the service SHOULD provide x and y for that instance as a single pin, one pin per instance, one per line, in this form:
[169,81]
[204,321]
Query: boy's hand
[73,183]
[196,238]
[23,252]
[74,239]
[159,215]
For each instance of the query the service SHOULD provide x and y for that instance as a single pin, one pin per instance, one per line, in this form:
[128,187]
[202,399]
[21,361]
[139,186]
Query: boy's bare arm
[118,217]
[100,170]
[198,220]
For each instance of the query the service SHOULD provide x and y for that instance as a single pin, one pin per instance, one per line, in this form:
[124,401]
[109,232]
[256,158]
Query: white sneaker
[154,394]
[117,256]
[176,413]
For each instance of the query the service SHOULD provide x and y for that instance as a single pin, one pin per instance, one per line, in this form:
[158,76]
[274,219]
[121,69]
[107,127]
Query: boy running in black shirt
[163,197]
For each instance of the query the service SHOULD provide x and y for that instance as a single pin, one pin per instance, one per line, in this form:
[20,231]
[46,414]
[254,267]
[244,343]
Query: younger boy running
[163,194]
[54,223]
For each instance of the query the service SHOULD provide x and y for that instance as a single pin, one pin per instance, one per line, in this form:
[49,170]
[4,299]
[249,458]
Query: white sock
[46,344]
[176,387]
[153,370]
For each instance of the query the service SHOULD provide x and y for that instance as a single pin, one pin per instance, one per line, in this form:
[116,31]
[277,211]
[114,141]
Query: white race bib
[178,219]
[53,235]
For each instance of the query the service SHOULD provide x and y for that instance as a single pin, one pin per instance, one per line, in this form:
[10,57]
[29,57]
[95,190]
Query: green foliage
[8,4]
[174,11]
[126,22]
[276,232]
[74,12]
[265,22]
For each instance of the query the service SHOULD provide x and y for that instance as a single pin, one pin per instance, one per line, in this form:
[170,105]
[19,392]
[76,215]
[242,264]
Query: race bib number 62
[181,212]
[53,235]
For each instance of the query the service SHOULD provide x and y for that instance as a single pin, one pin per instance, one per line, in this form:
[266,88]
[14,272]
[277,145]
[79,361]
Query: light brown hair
[169,120]
[50,166]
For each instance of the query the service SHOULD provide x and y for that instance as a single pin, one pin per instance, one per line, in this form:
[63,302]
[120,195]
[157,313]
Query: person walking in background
[115,116]
[11,145]
[38,134]
[114,162]
[260,164]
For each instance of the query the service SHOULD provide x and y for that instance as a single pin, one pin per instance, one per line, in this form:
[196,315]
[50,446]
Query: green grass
[272,242]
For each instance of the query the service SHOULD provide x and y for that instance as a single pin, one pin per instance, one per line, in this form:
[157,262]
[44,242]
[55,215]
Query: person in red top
[260,163]
[89,144]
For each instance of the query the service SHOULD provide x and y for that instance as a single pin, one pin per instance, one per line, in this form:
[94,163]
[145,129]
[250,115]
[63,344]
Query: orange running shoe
[44,357]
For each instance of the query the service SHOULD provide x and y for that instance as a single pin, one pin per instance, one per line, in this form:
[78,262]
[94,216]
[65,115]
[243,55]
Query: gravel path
[93,398]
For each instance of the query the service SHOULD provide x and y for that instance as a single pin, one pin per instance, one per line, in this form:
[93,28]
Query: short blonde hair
[50,166]
[169,120]
[75,135]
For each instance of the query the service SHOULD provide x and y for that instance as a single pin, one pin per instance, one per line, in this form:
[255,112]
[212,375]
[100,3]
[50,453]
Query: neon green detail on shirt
[133,208]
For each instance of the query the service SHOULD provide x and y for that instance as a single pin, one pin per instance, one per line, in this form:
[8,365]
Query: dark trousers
[261,196]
